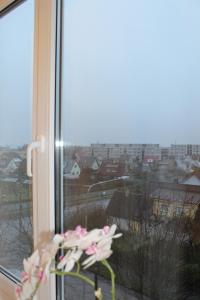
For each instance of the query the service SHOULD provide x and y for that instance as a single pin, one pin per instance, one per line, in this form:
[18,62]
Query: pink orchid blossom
[110,231]
[102,252]
[29,276]
[91,250]
[80,231]
[106,229]
[58,238]
[18,291]
[69,260]
[24,276]
[37,268]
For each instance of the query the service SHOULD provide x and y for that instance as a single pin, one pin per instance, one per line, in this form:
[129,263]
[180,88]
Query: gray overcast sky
[16,61]
[131,72]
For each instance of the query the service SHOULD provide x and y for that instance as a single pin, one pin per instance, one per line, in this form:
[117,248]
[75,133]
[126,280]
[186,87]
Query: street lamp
[110,180]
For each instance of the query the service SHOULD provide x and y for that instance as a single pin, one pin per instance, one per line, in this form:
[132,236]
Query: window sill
[7,288]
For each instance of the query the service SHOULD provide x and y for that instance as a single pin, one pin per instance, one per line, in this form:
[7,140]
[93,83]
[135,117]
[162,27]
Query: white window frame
[5,3]
[43,125]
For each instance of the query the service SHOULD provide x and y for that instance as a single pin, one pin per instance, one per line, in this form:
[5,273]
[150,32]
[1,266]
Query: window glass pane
[130,93]
[16,61]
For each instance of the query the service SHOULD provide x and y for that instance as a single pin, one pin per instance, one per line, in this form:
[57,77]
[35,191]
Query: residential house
[131,211]
[111,168]
[192,178]
[89,162]
[171,199]
[12,166]
[6,156]
[149,159]
[72,169]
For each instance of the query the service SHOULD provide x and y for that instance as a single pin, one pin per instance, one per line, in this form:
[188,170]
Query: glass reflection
[131,143]
[16,59]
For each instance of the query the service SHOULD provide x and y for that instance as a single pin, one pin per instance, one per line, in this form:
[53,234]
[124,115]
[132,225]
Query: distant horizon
[103,143]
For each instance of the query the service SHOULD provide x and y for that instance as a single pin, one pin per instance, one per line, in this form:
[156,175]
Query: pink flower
[58,238]
[29,276]
[37,269]
[18,291]
[82,239]
[78,238]
[101,252]
[110,232]
[106,229]
[30,267]
[69,260]
[41,275]
[24,277]
[91,250]
[95,243]
[68,233]
[61,257]
[80,231]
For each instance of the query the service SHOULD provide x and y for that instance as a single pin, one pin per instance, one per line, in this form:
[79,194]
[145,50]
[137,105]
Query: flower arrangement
[80,248]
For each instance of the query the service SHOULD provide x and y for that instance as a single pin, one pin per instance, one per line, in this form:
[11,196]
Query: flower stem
[112,274]
[34,291]
[78,267]
[74,274]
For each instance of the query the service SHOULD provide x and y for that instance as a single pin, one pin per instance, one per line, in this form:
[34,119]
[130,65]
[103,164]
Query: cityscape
[151,192]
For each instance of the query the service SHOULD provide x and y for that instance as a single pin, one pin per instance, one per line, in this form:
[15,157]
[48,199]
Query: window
[163,210]
[179,211]
[16,77]
[130,80]
[35,119]
[128,67]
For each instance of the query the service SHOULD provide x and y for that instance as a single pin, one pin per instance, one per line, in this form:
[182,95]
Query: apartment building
[151,152]
[182,150]
[115,151]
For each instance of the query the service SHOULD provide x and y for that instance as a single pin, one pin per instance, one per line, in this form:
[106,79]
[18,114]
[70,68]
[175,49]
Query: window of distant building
[164,210]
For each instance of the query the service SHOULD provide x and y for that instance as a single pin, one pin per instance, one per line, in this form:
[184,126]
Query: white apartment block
[100,151]
[165,152]
[178,151]
[85,151]
[152,149]
[115,151]
[195,149]
[138,151]
[183,150]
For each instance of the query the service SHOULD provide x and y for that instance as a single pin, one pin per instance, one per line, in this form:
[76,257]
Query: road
[72,203]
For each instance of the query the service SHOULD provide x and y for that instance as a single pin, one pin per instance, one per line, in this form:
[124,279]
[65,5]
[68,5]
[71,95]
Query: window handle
[40,145]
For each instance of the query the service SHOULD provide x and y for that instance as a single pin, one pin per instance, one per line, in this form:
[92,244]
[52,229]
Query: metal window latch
[40,145]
